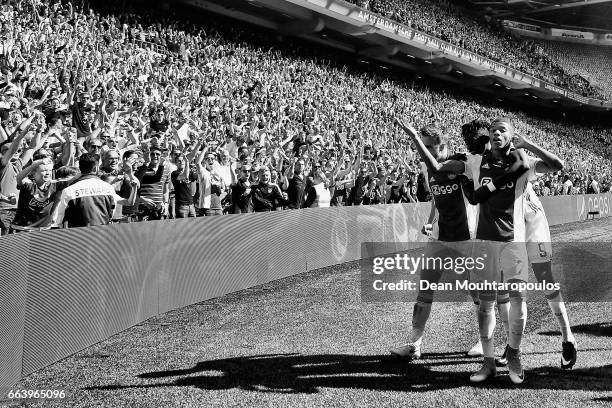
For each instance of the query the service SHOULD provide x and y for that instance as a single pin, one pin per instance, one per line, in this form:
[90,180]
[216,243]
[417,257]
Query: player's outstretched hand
[406,127]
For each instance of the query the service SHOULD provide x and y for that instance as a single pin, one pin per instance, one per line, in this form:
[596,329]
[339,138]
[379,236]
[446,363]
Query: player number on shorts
[542,249]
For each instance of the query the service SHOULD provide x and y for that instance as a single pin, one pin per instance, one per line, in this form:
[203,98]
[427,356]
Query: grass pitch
[309,341]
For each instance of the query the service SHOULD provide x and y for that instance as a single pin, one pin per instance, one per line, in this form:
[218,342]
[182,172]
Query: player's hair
[470,130]
[502,119]
[88,163]
[66,172]
[435,133]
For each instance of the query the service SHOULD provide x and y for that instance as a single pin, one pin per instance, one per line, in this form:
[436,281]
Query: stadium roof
[590,15]
[371,41]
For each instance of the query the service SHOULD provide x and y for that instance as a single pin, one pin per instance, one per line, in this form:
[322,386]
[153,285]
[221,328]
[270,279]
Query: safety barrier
[62,291]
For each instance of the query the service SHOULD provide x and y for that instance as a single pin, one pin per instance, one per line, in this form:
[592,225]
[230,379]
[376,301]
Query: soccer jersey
[502,216]
[35,203]
[451,221]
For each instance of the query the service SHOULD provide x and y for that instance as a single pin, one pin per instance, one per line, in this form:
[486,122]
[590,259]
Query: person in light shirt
[318,194]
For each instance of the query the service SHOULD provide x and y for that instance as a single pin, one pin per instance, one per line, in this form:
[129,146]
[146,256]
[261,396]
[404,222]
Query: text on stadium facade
[381,22]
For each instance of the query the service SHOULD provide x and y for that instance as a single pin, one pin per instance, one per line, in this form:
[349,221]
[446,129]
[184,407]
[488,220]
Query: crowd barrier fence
[64,290]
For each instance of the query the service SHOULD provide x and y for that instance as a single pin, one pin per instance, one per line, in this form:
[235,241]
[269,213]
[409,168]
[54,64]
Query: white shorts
[503,261]
[446,257]
[537,237]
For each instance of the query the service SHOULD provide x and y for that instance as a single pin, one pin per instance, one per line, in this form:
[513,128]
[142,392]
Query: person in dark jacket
[241,192]
[297,186]
[267,196]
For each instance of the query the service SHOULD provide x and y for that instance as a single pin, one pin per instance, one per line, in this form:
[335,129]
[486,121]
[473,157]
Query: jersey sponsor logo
[448,189]
[487,180]
[34,203]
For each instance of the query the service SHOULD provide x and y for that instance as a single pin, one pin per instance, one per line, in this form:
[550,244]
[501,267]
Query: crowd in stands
[590,62]
[455,25]
[218,119]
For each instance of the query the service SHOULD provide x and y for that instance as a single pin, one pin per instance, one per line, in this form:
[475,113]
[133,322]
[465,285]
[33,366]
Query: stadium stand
[454,24]
[77,80]
[590,62]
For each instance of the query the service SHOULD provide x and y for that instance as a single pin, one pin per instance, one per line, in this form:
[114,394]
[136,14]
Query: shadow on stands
[296,373]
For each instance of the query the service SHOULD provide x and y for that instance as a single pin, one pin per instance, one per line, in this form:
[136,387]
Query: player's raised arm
[549,162]
[449,166]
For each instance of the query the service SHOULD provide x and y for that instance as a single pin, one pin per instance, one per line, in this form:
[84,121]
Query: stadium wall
[62,291]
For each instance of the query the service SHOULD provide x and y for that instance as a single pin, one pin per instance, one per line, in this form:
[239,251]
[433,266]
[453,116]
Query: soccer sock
[518,318]
[475,296]
[476,306]
[486,323]
[557,306]
[420,315]
[503,308]
[543,272]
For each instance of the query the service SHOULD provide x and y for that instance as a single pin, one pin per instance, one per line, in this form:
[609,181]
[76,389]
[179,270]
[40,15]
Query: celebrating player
[452,220]
[449,222]
[539,250]
[501,224]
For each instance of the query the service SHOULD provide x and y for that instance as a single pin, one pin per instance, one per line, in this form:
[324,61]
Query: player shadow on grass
[296,373]
[594,329]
